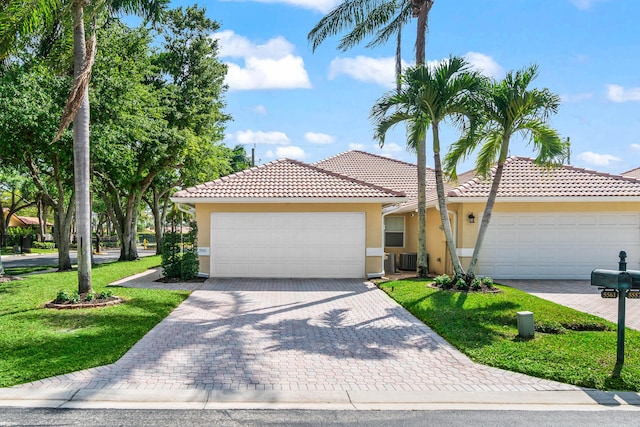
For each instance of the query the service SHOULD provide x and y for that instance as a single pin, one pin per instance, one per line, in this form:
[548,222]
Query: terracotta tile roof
[378,170]
[523,178]
[633,173]
[286,179]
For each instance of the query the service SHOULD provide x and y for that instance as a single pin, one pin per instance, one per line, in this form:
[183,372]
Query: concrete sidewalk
[583,400]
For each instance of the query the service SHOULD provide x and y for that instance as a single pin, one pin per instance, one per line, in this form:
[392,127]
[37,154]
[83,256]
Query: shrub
[461,284]
[106,294]
[180,254]
[488,282]
[43,245]
[63,296]
[476,285]
[90,296]
[442,280]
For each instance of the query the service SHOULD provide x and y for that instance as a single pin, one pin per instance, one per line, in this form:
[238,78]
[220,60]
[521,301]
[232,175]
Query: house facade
[338,218]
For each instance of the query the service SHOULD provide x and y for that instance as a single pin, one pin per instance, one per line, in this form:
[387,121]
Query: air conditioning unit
[408,261]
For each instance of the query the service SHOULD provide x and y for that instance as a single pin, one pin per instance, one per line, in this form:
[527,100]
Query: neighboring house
[633,173]
[23,221]
[291,219]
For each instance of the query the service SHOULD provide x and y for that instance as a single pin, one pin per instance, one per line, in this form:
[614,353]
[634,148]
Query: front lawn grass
[36,343]
[484,327]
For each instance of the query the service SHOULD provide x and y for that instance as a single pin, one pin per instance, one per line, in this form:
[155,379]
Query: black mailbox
[612,279]
[635,278]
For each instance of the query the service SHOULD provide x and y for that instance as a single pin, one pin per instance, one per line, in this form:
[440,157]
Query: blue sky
[291,102]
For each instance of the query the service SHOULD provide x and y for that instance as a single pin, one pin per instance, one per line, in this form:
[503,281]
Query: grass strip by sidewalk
[37,343]
[484,327]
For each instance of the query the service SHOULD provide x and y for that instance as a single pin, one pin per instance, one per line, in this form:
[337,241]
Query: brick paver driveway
[294,335]
[580,295]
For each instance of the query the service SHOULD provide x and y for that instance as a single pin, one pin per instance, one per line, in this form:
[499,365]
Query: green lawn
[484,327]
[37,343]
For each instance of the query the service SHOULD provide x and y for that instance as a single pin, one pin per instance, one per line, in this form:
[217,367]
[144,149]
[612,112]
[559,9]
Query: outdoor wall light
[472,218]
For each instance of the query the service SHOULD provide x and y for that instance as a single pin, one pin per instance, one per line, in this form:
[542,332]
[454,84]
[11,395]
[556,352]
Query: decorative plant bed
[66,300]
[70,305]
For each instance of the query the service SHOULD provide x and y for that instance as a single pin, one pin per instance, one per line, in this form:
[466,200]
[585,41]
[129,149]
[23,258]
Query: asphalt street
[40,260]
[466,418]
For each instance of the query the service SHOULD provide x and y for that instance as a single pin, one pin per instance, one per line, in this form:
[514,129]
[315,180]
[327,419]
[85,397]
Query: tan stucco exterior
[465,233]
[373,215]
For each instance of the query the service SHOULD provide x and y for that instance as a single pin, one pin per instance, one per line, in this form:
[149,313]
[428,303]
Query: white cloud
[635,147]
[597,159]
[365,69]
[585,4]
[290,152]
[323,6]
[318,138]
[260,137]
[576,97]
[356,146]
[617,93]
[271,65]
[485,64]
[260,109]
[388,150]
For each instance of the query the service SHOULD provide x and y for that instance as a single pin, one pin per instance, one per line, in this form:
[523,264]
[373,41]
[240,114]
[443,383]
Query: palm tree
[429,97]
[21,18]
[509,108]
[384,18]
[378,19]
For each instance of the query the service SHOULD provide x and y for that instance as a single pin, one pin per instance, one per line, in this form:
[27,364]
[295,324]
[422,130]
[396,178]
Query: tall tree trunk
[486,217]
[399,61]
[81,158]
[3,226]
[421,11]
[62,230]
[159,214]
[42,217]
[442,204]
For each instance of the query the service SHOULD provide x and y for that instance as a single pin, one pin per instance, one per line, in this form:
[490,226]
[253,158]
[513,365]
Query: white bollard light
[526,328]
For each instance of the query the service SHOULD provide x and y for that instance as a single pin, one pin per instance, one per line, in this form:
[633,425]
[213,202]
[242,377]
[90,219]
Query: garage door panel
[558,245]
[309,244]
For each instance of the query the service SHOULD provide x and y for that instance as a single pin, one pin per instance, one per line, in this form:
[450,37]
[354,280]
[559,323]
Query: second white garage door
[296,245]
[558,245]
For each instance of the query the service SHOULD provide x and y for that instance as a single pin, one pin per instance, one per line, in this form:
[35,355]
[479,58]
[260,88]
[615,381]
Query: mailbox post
[618,284]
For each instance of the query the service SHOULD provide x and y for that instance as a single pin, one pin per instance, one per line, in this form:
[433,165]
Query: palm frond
[341,18]
[20,18]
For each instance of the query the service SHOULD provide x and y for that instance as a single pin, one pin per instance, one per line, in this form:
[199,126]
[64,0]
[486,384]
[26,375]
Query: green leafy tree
[159,122]
[429,97]
[508,108]
[380,19]
[33,95]
[20,19]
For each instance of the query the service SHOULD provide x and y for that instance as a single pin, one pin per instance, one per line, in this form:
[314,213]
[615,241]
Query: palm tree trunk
[442,204]
[422,264]
[399,61]
[81,158]
[486,217]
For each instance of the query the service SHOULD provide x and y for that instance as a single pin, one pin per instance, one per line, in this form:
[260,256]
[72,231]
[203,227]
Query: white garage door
[317,244]
[558,246]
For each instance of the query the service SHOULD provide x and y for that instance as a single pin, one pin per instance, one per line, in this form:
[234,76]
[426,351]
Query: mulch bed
[4,279]
[179,280]
[106,302]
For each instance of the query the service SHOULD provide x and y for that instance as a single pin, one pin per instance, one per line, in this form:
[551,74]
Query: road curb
[341,400]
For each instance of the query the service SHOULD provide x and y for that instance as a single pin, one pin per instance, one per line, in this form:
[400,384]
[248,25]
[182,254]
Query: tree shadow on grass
[467,328]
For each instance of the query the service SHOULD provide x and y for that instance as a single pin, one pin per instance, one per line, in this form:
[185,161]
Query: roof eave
[383,200]
[538,199]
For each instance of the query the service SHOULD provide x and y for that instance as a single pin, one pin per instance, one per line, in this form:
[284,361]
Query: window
[394,232]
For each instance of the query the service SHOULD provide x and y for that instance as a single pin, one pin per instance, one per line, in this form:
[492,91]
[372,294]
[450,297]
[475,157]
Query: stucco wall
[439,259]
[373,215]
